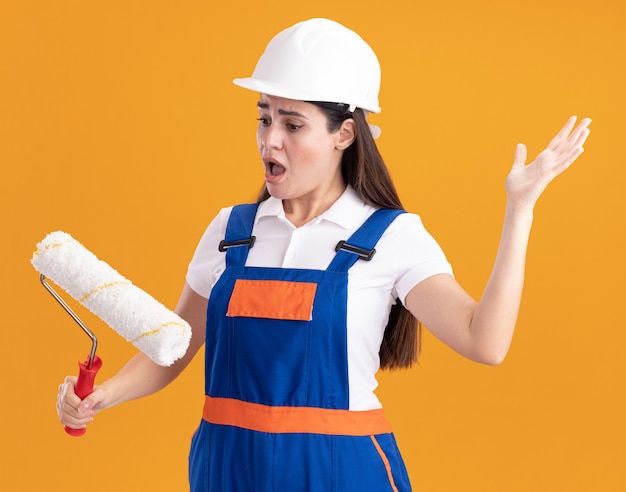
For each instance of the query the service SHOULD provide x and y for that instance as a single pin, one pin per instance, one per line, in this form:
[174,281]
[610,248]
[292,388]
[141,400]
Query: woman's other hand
[74,412]
[526,182]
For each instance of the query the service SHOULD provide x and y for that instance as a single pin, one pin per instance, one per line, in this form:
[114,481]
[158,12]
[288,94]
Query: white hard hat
[318,60]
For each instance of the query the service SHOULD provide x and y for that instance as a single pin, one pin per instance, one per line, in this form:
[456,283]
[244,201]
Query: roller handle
[84,386]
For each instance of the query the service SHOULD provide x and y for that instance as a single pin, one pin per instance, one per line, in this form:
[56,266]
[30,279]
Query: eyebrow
[282,112]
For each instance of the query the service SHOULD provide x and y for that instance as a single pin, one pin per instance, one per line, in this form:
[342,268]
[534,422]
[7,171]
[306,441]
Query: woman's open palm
[526,182]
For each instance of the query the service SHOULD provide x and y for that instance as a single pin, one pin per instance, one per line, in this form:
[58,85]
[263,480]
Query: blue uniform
[276,414]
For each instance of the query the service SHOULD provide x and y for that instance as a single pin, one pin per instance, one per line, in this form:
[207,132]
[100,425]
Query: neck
[301,210]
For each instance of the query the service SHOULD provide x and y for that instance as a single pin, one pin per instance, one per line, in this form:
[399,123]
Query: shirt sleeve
[418,255]
[207,263]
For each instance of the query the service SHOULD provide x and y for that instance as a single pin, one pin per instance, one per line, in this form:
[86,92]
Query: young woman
[301,297]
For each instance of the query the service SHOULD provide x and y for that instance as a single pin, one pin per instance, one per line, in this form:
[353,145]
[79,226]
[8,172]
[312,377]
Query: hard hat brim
[274,89]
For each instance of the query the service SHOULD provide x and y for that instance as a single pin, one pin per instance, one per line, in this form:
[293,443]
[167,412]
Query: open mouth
[275,169]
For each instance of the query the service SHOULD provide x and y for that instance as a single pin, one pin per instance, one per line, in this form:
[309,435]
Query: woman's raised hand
[526,182]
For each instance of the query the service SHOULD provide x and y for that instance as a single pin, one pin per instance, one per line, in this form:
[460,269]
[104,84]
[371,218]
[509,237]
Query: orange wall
[119,124]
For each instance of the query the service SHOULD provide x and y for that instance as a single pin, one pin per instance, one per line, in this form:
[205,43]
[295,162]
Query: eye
[263,121]
[292,127]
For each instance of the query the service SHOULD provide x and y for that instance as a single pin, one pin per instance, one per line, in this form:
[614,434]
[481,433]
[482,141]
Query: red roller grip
[84,386]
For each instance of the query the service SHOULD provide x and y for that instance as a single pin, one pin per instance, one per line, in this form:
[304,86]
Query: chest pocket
[272,299]
[269,336]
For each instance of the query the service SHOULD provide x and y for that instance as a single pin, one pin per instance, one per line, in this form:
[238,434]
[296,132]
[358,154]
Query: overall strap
[360,246]
[239,238]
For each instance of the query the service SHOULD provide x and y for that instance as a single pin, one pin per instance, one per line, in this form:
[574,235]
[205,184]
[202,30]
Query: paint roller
[139,318]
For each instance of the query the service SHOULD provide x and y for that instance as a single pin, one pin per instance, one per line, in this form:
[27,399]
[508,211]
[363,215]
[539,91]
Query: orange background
[119,124]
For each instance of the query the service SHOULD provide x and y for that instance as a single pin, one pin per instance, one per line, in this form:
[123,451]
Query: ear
[346,134]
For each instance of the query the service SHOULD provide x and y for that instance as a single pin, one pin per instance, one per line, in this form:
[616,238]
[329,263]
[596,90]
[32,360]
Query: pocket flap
[273,299]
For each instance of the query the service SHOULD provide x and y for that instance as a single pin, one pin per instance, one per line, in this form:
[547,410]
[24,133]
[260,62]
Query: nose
[271,136]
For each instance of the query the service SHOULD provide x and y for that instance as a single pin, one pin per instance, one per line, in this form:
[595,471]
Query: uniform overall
[276,414]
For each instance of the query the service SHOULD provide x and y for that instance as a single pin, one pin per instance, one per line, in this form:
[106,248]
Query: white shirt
[405,255]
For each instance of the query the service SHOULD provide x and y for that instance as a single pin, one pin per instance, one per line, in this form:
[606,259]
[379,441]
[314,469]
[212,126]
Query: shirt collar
[349,211]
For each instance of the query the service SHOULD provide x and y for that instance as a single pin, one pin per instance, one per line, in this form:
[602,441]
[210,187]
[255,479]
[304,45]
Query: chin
[277,191]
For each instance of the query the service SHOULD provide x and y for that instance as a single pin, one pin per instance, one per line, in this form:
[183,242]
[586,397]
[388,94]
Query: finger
[574,154]
[67,392]
[581,138]
[575,141]
[568,159]
[567,128]
[580,134]
[70,417]
[563,133]
[69,406]
[70,381]
[89,404]
[581,130]
[68,413]
[521,154]
[584,123]
[75,423]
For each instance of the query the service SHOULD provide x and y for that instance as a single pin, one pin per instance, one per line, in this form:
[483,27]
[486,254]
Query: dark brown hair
[363,168]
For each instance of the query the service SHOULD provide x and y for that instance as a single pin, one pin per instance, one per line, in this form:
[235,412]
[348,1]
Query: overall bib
[276,414]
